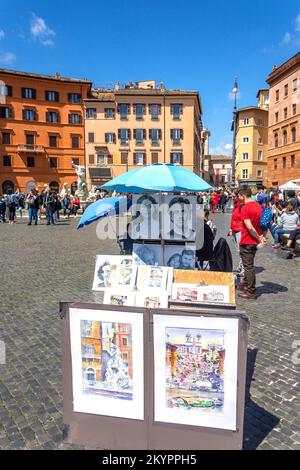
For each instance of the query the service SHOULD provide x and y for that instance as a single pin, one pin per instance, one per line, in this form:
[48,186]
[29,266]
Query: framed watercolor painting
[118,297]
[185,292]
[214,294]
[107,362]
[156,277]
[105,270]
[195,368]
[152,298]
[125,277]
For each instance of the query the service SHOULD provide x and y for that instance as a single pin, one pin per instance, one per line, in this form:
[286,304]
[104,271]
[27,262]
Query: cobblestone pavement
[41,266]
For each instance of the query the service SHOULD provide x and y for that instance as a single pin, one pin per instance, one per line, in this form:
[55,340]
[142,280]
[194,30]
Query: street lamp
[235,91]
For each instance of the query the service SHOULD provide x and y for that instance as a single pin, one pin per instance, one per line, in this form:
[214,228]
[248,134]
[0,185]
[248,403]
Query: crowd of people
[254,216]
[38,204]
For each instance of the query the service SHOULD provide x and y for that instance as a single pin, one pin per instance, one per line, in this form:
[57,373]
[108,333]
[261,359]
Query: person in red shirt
[251,237]
[236,228]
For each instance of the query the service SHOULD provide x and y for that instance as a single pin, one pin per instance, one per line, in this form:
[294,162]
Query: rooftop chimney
[117,86]
[57,75]
[275,67]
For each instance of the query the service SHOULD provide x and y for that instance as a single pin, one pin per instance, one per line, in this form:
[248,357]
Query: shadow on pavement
[270,288]
[258,422]
[259,270]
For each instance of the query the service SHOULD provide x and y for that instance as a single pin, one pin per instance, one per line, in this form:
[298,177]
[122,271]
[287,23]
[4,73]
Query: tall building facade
[220,170]
[284,120]
[252,142]
[41,129]
[140,124]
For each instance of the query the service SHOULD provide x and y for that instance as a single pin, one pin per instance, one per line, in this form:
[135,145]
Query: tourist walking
[251,238]
[33,206]
[223,201]
[2,209]
[11,204]
[236,227]
[49,204]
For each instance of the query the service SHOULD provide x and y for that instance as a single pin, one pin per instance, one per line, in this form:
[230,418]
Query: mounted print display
[105,270]
[145,221]
[180,256]
[185,292]
[208,279]
[125,276]
[179,218]
[147,254]
[156,277]
[214,294]
[195,368]
[117,297]
[107,363]
[152,298]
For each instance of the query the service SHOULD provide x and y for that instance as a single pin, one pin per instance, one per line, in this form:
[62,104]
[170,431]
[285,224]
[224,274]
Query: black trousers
[247,253]
[12,213]
[294,236]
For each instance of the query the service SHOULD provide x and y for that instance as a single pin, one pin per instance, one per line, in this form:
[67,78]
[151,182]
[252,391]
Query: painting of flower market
[106,351]
[195,369]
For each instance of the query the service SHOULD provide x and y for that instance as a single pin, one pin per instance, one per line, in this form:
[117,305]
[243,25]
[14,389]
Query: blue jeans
[49,215]
[33,213]
[278,232]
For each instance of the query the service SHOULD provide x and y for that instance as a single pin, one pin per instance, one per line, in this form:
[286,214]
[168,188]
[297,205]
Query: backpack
[266,219]
[259,199]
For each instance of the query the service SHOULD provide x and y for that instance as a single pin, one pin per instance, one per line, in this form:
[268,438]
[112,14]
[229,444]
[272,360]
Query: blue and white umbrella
[159,177]
[106,207]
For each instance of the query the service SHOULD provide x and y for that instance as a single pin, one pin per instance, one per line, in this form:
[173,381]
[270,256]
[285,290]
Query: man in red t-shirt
[251,237]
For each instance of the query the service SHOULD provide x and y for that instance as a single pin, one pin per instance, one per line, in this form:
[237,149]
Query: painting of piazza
[106,352]
[195,369]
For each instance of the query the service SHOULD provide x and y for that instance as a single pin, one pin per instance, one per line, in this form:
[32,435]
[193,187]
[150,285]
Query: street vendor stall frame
[95,431]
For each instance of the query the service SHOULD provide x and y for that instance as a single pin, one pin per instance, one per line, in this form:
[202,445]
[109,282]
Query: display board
[207,282]
[180,386]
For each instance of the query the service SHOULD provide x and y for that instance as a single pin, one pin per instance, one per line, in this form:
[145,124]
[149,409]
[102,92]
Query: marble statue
[81,181]
[93,193]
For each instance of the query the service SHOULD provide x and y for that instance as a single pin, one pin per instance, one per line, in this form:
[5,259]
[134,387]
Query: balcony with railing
[31,148]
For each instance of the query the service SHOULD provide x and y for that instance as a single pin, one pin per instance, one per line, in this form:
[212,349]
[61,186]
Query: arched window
[276,140]
[284,137]
[54,186]
[30,185]
[294,135]
[7,186]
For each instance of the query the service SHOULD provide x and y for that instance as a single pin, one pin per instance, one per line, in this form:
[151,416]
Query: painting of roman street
[195,369]
[106,359]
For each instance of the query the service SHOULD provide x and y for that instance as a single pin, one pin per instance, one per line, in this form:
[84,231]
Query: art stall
[161,364]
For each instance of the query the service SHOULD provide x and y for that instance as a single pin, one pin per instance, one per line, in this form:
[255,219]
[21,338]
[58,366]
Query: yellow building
[138,124]
[252,142]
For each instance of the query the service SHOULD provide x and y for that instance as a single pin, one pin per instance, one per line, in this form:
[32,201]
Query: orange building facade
[141,124]
[41,130]
[284,123]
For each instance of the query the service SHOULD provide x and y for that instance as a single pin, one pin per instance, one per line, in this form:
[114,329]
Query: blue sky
[191,44]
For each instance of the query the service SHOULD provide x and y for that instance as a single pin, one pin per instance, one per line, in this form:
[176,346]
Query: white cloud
[8,58]
[222,149]
[292,38]
[40,31]
[2,34]
[297,23]
[287,39]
